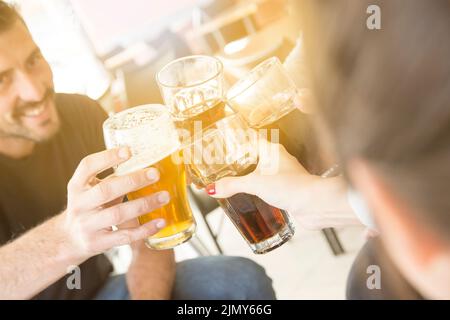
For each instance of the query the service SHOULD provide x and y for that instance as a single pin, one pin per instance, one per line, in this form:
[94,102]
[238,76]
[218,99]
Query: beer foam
[131,119]
[147,130]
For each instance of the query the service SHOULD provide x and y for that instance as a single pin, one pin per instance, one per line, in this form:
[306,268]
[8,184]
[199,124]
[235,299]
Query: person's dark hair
[385,94]
[8,16]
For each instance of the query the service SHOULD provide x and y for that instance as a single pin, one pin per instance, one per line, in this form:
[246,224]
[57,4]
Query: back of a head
[385,94]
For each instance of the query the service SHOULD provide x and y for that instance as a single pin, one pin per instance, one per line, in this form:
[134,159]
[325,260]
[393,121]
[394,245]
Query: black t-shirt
[34,188]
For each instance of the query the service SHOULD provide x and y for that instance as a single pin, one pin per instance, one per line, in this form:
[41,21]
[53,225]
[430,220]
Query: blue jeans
[207,278]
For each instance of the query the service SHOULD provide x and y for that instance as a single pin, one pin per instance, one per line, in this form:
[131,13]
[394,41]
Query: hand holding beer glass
[153,140]
[229,148]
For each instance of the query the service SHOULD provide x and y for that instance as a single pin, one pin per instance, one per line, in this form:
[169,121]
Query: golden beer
[153,140]
[180,224]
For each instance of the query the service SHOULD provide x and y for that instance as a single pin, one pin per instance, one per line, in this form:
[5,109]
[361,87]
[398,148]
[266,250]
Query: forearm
[35,260]
[151,274]
[326,204]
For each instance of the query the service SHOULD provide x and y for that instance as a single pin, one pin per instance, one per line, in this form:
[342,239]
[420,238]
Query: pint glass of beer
[230,148]
[151,135]
[265,95]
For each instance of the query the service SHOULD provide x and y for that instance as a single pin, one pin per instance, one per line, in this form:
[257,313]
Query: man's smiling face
[27,107]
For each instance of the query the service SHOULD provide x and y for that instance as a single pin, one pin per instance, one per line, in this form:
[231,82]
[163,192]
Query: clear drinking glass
[265,95]
[192,88]
[191,85]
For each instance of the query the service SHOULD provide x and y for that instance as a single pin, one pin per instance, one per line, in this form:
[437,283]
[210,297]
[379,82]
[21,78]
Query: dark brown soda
[254,218]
